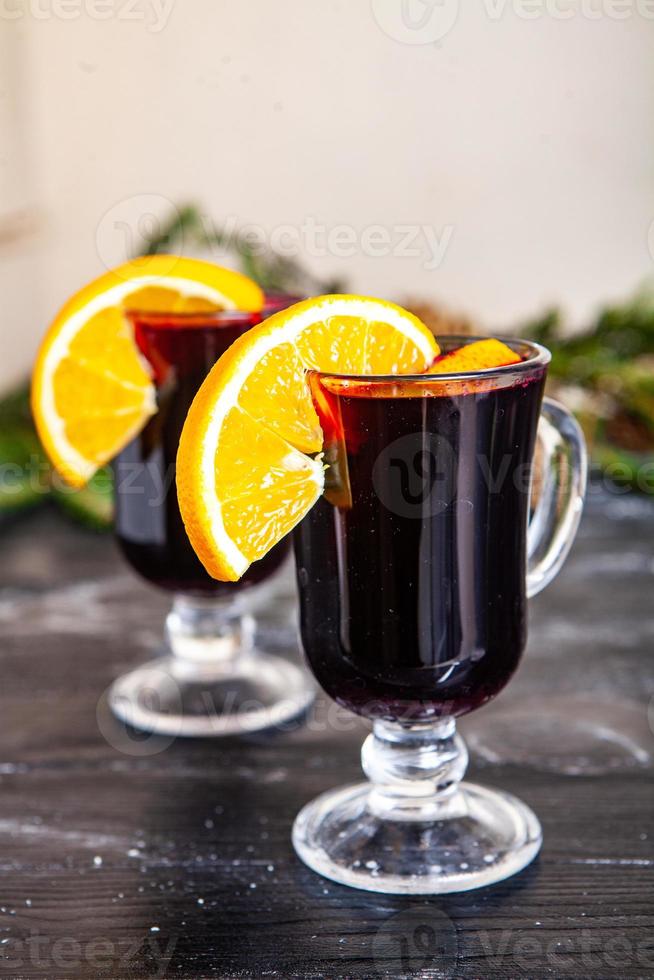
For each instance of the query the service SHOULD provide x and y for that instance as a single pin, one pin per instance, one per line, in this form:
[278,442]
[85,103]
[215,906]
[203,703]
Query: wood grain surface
[126,856]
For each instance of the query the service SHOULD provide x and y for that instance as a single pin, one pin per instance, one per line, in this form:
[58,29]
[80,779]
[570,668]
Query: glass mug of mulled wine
[414,571]
[213,678]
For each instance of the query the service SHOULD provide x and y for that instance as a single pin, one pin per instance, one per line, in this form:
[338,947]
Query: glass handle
[557,494]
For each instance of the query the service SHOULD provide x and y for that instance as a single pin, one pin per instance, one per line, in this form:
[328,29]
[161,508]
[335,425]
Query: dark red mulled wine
[181,350]
[411,569]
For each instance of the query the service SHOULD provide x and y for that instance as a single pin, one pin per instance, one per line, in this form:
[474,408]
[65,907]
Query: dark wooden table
[123,856]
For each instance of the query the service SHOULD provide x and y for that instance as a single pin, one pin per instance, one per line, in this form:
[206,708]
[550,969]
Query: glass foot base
[171,697]
[484,837]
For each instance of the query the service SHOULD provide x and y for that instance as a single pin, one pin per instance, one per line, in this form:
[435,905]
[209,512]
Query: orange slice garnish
[477,356]
[91,390]
[249,465]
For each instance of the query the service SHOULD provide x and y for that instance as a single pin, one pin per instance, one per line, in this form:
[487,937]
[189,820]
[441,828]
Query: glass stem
[415,770]
[209,634]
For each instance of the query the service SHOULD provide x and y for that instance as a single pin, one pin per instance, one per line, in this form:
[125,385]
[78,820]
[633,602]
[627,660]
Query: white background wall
[527,143]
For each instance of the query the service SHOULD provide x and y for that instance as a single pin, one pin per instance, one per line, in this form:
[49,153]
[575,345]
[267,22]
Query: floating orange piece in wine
[477,356]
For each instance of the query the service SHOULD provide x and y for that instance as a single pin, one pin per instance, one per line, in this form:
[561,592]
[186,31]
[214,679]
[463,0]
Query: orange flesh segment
[262,483]
[275,394]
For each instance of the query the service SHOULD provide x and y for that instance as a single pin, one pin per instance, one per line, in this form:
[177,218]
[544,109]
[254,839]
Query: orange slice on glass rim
[91,390]
[477,356]
[249,465]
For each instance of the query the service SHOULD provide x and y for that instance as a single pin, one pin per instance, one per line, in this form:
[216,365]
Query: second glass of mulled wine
[213,678]
[413,572]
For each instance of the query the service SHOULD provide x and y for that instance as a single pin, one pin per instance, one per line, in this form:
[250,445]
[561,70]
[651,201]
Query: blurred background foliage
[604,373]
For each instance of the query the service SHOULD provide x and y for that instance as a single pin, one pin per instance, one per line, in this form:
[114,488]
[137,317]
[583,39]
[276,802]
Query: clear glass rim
[199,319]
[533,355]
